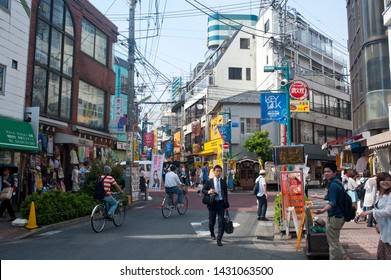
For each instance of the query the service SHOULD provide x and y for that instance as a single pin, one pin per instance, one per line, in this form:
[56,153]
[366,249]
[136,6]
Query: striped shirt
[107,183]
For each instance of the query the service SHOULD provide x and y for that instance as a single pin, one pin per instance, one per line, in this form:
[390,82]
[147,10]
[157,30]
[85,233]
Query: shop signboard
[292,190]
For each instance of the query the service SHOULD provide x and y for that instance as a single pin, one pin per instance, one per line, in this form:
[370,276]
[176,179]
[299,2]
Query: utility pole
[132,118]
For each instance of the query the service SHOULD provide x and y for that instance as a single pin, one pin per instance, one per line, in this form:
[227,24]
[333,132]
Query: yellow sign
[300,106]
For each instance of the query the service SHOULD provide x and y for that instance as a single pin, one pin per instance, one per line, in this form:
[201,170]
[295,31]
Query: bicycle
[99,215]
[168,205]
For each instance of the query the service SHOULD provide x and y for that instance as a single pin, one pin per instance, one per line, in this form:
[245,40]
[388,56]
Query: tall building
[369,65]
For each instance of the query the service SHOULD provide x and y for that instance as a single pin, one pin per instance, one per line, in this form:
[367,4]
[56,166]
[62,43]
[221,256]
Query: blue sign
[235,124]
[225,132]
[273,107]
[168,148]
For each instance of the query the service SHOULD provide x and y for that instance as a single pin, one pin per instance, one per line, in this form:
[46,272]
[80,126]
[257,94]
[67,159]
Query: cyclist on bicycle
[109,181]
[173,185]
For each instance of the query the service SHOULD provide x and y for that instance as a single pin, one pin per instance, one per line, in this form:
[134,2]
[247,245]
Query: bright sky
[177,37]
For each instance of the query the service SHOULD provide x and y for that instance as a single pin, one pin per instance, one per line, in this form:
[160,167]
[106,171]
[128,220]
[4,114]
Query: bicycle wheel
[119,215]
[183,210]
[98,218]
[167,207]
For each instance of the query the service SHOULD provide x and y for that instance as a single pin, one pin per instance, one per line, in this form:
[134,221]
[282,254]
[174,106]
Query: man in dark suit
[217,186]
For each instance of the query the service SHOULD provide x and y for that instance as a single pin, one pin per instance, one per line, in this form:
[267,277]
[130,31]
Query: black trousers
[217,209]
[6,204]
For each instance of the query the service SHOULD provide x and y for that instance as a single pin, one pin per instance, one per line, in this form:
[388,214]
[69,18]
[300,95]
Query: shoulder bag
[208,199]
[6,193]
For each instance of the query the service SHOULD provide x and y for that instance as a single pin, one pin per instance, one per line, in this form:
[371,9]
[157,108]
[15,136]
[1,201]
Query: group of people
[79,176]
[376,204]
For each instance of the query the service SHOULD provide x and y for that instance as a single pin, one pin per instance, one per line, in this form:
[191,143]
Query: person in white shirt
[262,196]
[173,185]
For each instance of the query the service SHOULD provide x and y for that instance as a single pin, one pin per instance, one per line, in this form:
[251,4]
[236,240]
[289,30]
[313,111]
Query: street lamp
[284,83]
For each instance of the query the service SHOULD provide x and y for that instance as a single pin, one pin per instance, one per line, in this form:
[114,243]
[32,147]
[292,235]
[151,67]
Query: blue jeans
[262,206]
[178,191]
[112,204]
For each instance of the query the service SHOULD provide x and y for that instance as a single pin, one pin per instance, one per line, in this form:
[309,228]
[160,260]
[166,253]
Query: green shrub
[278,220]
[56,206]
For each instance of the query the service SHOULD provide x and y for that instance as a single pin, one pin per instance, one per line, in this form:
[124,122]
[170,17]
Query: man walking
[219,187]
[262,196]
[335,218]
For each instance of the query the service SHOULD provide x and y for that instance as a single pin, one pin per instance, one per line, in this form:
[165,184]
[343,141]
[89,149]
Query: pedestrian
[75,177]
[262,195]
[8,181]
[382,214]
[219,187]
[352,186]
[335,218]
[193,176]
[205,173]
[143,184]
[370,188]
[84,172]
[199,180]
[230,179]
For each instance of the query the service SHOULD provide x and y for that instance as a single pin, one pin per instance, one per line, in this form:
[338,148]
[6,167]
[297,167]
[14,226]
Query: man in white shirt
[173,185]
[262,196]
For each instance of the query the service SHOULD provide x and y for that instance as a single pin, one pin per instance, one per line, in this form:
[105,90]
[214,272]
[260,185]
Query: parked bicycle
[99,215]
[169,205]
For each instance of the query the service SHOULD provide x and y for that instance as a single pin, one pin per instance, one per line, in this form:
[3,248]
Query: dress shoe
[12,219]
[219,243]
[259,218]
[264,219]
[213,236]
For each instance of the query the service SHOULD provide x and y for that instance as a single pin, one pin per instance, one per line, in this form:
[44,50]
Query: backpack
[348,211]
[256,188]
[99,192]
[360,189]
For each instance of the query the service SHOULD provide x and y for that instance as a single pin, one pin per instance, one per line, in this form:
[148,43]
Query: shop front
[212,152]
[380,152]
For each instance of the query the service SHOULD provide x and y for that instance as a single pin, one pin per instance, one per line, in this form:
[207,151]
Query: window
[244,43]
[248,74]
[319,134]
[94,42]
[267,26]
[5,4]
[234,73]
[2,79]
[306,132]
[54,53]
[90,108]
[249,125]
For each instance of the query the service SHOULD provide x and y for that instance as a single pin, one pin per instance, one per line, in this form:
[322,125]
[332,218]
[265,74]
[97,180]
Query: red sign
[226,146]
[299,90]
[148,139]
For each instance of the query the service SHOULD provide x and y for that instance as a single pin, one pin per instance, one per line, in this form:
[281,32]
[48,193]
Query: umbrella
[12,168]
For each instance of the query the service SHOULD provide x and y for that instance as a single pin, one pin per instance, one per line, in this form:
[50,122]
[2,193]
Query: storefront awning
[345,141]
[208,152]
[380,140]
[63,138]
[17,135]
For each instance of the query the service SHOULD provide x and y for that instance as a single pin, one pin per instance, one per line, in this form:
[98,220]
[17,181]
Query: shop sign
[298,90]
[299,106]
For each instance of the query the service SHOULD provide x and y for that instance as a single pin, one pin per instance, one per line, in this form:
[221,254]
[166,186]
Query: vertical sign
[292,191]
[155,179]
[273,107]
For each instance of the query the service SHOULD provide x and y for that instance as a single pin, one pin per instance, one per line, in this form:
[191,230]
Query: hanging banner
[225,132]
[168,148]
[273,107]
[148,139]
[156,172]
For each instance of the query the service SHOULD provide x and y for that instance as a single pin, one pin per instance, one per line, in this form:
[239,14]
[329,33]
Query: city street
[146,235]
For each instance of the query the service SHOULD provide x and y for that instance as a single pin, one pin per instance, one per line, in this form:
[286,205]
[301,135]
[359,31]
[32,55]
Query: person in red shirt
[109,181]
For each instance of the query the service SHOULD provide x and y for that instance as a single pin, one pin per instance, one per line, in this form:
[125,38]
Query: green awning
[17,135]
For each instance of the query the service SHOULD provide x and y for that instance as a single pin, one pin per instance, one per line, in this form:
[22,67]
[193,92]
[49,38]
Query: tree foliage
[260,144]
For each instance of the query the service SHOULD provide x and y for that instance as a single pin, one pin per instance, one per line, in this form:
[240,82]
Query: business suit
[218,208]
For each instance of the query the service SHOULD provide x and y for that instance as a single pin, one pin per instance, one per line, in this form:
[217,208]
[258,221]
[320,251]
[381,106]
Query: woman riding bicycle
[173,185]
[109,181]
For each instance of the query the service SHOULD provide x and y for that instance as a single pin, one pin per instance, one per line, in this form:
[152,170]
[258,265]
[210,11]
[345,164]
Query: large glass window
[54,53]
[306,132]
[94,42]
[319,134]
[90,108]
[331,133]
